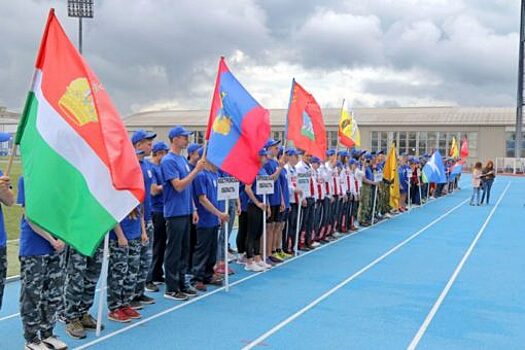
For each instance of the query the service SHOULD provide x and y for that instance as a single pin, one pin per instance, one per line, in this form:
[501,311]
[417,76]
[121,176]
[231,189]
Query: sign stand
[103,284]
[264,186]
[227,188]
[378,177]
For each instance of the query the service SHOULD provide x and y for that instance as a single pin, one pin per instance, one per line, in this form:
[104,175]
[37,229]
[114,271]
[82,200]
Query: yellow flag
[390,173]
[454,150]
[348,130]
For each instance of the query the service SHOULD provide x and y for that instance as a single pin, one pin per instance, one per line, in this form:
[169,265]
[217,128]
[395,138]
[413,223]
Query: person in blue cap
[367,192]
[195,152]
[332,194]
[353,196]
[156,271]
[6,198]
[276,200]
[179,212]
[210,218]
[257,211]
[280,236]
[143,143]
[403,181]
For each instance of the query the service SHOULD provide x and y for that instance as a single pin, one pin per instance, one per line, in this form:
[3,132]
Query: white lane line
[442,296]
[122,330]
[297,314]
[125,329]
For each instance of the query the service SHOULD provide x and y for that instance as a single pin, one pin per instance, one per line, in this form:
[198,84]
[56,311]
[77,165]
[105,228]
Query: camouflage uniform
[3,271]
[42,280]
[82,275]
[365,207]
[124,265]
[146,253]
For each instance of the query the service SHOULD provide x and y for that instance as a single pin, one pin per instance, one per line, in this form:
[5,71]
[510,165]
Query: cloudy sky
[163,54]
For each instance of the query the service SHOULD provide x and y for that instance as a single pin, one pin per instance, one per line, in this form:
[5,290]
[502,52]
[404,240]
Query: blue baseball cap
[140,135]
[292,152]
[343,153]
[330,152]
[4,137]
[178,131]
[339,164]
[263,152]
[368,156]
[160,146]
[353,161]
[271,142]
[193,147]
[380,152]
[315,159]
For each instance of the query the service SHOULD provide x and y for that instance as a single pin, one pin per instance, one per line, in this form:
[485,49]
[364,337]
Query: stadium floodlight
[80,9]
[519,110]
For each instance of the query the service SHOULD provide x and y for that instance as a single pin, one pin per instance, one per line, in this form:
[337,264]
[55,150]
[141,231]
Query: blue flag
[434,170]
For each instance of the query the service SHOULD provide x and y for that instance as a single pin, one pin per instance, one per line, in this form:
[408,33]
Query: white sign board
[409,173]
[227,188]
[303,183]
[264,185]
[378,176]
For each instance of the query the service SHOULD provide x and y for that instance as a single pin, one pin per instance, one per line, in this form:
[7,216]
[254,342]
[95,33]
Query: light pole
[80,9]
[519,110]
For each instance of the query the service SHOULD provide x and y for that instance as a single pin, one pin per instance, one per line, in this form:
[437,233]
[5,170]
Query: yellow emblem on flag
[222,123]
[77,103]
[348,127]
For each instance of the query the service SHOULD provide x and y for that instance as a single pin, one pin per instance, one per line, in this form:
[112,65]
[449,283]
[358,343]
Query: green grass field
[12,221]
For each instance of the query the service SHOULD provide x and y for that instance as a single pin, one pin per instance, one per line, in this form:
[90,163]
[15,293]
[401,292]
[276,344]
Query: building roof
[422,116]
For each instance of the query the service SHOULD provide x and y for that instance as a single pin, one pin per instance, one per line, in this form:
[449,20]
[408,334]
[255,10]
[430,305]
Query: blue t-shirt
[283,179]
[403,177]
[205,183]
[3,234]
[271,166]
[31,243]
[262,172]
[157,203]
[176,203]
[147,174]
[130,227]
[369,173]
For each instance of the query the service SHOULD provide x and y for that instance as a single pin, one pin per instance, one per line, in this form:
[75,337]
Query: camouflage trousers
[123,269]
[383,198]
[366,202]
[42,285]
[145,261]
[3,271]
[82,273]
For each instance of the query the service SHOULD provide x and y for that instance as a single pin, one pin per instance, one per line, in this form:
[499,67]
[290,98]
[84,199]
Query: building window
[332,139]
[198,137]
[422,143]
[510,143]
[383,142]
[402,142]
[374,140]
[412,143]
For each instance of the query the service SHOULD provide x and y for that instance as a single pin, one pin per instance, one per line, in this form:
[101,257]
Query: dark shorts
[276,214]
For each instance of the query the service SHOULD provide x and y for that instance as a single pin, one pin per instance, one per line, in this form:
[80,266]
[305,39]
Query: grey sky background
[160,54]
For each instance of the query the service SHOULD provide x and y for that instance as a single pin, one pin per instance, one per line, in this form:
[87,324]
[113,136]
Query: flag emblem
[307,128]
[222,123]
[77,103]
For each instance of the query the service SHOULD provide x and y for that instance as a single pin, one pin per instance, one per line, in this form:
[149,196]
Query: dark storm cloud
[163,54]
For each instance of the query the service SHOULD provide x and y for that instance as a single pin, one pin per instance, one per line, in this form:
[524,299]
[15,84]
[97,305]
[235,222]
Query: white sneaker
[337,234]
[264,265]
[36,346]
[253,267]
[315,244]
[231,257]
[53,342]
[241,259]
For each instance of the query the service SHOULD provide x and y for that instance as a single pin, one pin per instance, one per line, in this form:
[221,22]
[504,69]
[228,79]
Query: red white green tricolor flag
[80,170]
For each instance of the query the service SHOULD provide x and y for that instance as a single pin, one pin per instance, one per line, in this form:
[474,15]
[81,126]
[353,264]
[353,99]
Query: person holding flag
[307,204]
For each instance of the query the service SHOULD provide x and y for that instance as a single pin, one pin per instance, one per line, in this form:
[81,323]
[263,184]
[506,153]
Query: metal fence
[510,165]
